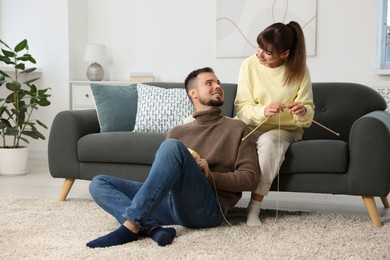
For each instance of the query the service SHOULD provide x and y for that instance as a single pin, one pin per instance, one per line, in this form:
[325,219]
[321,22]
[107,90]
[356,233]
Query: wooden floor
[38,182]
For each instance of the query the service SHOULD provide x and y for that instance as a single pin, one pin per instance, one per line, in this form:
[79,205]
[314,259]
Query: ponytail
[296,61]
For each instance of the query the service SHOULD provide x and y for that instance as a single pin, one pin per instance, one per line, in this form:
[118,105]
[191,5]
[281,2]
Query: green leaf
[21,46]
[26,57]
[6,60]
[41,124]
[33,89]
[42,92]
[13,86]
[9,114]
[44,103]
[24,139]
[5,123]
[34,135]
[28,70]
[11,131]
[8,54]
[4,44]
[20,66]
[30,80]
[4,74]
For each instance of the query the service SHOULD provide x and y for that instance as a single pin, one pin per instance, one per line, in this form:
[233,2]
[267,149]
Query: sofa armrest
[369,143]
[67,128]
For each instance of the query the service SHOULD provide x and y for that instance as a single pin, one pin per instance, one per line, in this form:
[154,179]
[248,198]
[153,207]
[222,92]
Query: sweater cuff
[261,113]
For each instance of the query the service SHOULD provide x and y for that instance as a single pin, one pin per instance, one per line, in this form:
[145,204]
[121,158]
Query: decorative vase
[13,161]
[95,72]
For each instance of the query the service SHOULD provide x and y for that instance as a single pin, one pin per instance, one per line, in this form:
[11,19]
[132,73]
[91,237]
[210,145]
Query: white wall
[170,38]
[346,41]
[44,24]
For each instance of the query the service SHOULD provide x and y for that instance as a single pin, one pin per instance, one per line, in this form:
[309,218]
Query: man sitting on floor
[182,190]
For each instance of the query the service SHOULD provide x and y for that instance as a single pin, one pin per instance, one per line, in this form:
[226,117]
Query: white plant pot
[13,161]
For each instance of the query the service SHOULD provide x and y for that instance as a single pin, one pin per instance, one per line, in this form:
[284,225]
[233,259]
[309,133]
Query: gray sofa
[354,163]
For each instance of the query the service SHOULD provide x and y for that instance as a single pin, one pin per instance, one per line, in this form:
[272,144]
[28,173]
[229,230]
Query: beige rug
[41,228]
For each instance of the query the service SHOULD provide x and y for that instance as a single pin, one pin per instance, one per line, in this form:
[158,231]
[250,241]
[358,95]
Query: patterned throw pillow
[161,109]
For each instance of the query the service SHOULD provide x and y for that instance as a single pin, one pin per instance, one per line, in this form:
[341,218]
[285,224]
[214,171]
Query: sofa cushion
[161,109]
[116,106]
[311,156]
[119,147]
[316,156]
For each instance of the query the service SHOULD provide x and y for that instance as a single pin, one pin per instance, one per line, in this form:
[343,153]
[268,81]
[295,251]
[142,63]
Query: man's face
[209,90]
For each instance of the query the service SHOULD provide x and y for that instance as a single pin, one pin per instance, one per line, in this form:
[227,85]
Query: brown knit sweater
[232,162]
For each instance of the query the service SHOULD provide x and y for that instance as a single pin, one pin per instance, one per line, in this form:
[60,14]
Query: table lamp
[95,53]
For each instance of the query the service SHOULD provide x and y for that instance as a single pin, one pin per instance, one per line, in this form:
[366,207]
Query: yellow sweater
[258,86]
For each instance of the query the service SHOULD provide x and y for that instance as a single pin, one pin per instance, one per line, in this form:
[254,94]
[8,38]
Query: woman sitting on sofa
[275,92]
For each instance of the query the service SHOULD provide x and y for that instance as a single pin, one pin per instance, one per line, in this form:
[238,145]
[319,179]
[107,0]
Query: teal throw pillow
[116,106]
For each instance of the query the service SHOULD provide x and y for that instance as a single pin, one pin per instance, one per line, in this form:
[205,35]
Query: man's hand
[204,166]
[193,153]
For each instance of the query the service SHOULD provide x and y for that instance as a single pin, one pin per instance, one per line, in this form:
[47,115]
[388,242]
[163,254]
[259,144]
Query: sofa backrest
[229,89]
[338,105]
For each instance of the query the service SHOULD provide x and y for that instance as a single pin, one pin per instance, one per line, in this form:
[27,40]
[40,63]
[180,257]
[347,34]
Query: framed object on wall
[240,21]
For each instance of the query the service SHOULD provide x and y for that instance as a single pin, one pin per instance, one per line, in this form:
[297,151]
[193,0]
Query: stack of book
[141,77]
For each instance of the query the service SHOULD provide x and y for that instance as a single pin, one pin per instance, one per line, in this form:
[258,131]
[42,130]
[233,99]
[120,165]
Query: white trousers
[271,148]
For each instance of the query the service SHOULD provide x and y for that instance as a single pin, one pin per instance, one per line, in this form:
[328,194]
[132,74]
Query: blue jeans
[176,192]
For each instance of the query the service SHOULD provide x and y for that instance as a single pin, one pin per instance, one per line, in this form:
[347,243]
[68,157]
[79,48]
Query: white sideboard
[81,96]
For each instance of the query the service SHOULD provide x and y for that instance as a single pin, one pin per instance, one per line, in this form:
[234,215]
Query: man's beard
[215,103]
[211,102]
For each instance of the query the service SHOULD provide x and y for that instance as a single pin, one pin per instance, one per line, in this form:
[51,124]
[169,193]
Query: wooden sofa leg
[369,201]
[65,189]
[385,202]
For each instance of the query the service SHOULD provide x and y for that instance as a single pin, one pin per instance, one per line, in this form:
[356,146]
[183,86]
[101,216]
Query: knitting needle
[262,122]
[330,130]
[251,132]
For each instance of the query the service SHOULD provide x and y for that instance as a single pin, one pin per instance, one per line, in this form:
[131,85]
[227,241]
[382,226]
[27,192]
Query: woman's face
[269,58]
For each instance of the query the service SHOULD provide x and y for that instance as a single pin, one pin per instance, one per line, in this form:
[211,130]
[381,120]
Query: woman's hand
[273,109]
[297,108]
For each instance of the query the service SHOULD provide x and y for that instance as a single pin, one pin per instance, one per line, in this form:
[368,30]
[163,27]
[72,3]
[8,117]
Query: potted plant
[19,99]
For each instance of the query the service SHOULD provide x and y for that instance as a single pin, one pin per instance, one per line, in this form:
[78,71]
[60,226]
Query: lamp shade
[95,53]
